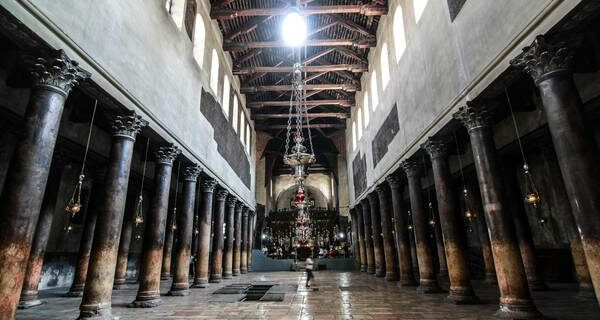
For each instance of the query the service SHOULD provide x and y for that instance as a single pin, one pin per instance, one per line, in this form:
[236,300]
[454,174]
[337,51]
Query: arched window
[353,135]
[190,18]
[248,138]
[365,108]
[385,67]
[242,126]
[175,9]
[419,6]
[226,88]
[199,38]
[374,91]
[360,123]
[214,72]
[235,115]
[399,36]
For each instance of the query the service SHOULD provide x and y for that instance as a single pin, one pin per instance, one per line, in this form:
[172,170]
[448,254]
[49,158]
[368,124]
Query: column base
[461,297]
[243,271]
[179,292]
[407,282]
[120,286]
[150,303]
[236,272]
[370,270]
[428,286]
[95,313]
[586,294]
[200,283]
[215,279]
[249,269]
[165,276]
[26,304]
[227,275]
[490,278]
[380,273]
[391,276]
[514,311]
[363,268]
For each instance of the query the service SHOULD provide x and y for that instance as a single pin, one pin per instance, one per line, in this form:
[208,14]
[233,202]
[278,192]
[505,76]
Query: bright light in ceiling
[293,29]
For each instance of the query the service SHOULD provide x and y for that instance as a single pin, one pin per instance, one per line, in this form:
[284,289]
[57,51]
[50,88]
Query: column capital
[542,60]
[245,210]
[231,200]
[208,184]
[221,193]
[167,154]
[128,126]
[436,148]
[56,71]
[473,117]
[381,190]
[191,172]
[365,203]
[411,167]
[394,180]
[239,206]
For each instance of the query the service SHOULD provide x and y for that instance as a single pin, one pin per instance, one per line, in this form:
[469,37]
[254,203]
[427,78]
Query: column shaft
[217,244]
[96,302]
[237,242]
[370,253]
[148,294]
[251,222]
[244,244]
[124,243]
[454,242]
[515,300]
[355,246]
[391,265]
[26,178]
[185,228]
[29,292]
[229,234]
[474,202]
[165,273]
[207,186]
[360,227]
[401,231]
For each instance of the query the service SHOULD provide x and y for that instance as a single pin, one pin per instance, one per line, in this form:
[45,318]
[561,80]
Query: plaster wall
[138,54]
[445,64]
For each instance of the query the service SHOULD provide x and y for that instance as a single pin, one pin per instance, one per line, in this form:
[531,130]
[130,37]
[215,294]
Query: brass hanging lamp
[74,204]
[139,210]
[469,212]
[174,214]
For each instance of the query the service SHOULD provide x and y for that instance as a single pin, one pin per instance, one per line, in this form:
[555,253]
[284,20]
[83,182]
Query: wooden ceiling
[340,33]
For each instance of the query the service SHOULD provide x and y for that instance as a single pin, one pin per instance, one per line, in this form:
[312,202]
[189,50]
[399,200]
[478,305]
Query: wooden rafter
[312,126]
[262,104]
[338,115]
[349,87]
[220,13]
[356,43]
[283,69]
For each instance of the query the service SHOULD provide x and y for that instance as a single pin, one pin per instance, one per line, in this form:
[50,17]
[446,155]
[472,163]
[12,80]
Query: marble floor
[367,298]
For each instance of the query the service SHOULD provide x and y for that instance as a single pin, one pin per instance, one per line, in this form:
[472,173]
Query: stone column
[355,245]
[99,282]
[244,244]
[427,280]
[578,156]
[185,228]
[407,277]
[124,243]
[251,221]
[360,230]
[217,244]
[148,294]
[584,280]
[370,253]
[165,273]
[515,300]
[29,292]
[21,199]
[391,266]
[237,241]
[474,202]
[441,251]
[87,236]
[229,234]
[461,291]
[207,186]
[376,234]
[523,230]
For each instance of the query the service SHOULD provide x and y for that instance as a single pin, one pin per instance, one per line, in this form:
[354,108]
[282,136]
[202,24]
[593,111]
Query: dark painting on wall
[386,133]
[228,143]
[359,174]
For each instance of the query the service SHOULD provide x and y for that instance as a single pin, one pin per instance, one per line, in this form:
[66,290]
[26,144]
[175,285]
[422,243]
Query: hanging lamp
[173,215]
[532,195]
[469,212]
[139,212]
[74,205]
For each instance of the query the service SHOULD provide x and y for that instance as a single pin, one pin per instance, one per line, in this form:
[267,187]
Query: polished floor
[361,297]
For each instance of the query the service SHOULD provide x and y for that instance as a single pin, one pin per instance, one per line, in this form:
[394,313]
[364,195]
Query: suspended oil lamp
[532,196]
[74,205]
[139,210]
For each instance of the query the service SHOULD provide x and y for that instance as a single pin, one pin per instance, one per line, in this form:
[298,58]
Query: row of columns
[506,240]
[29,197]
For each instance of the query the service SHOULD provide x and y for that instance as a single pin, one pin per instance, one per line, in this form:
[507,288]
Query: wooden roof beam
[220,13]
[337,115]
[310,103]
[329,86]
[312,126]
[360,43]
[351,25]
[356,68]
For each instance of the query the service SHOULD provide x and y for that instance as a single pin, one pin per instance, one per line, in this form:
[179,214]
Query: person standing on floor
[309,271]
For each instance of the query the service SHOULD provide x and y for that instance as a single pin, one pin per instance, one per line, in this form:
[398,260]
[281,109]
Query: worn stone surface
[373,299]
